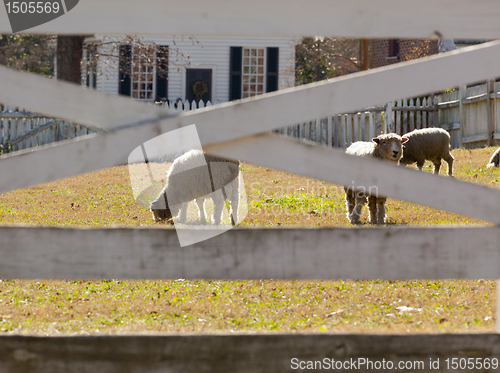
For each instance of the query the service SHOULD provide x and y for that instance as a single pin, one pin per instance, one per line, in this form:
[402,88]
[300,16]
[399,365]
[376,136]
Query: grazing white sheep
[494,160]
[431,144]
[190,178]
[387,147]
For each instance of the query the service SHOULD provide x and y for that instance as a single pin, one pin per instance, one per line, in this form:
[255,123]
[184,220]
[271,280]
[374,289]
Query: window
[394,48]
[143,73]
[253,72]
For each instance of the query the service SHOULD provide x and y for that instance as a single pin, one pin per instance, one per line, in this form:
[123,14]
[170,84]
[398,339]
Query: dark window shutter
[125,66]
[272,69]
[161,72]
[235,73]
[91,61]
[87,75]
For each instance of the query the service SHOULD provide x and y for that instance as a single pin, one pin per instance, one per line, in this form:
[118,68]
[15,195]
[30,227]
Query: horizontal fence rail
[246,353]
[252,253]
[362,18]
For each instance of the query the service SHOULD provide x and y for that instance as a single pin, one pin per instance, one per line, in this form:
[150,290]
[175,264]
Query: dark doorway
[199,85]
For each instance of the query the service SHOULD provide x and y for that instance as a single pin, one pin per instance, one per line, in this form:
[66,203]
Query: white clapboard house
[208,68]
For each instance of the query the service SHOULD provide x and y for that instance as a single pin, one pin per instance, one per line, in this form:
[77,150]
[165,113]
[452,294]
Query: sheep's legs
[356,212]
[218,206]
[381,210]
[354,204]
[350,201]
[372,207]
[420,165]
[234,186]
[449,160]
[200,202]
[437,166]
[376,205]
[182,217]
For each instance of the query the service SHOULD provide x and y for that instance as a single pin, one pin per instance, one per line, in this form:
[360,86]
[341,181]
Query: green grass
[89,307]
[104,199]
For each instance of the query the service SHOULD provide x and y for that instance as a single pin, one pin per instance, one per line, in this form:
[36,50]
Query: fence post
[462,93]
[435,113]
[336,131]
[490,88]
[373,123]
[388,122]
[329,131]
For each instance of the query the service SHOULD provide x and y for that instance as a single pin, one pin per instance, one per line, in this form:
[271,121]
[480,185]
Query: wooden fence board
[260,253]
[362,18]
[240,353]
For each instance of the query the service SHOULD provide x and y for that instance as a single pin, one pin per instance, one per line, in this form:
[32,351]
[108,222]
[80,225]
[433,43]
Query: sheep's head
[390,146]
[160,209]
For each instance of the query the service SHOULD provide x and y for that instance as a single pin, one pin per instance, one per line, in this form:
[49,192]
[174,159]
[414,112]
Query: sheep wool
[190,179]
[494,160]
[431,144]
[387,147]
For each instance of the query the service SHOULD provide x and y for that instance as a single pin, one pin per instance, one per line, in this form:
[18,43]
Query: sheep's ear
[376,139]
[404,139]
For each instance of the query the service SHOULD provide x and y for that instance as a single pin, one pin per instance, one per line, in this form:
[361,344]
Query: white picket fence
[341,130]
[20,129]
[470,114]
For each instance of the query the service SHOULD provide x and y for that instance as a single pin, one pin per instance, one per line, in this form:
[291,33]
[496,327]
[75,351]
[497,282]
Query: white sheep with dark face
[387,147]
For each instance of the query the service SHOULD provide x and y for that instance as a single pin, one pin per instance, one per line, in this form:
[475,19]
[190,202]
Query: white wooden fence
[240,130]
[21,130]
[470,114]
[341,130]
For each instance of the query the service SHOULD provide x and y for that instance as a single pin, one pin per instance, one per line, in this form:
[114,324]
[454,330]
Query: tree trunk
[363,54]
[69,57]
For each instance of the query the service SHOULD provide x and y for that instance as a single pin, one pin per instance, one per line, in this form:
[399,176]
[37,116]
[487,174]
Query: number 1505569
[471,363]
[32,7]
